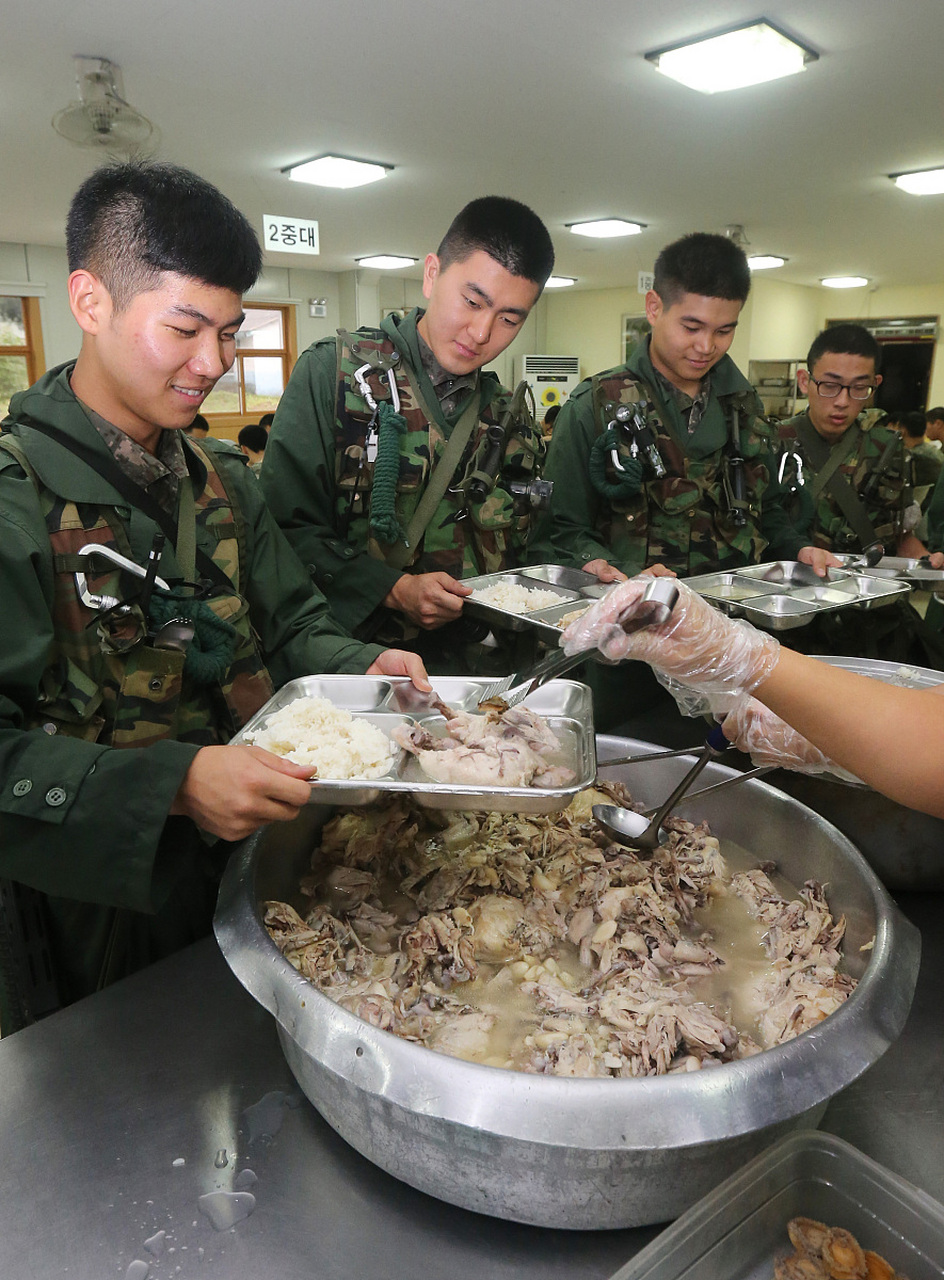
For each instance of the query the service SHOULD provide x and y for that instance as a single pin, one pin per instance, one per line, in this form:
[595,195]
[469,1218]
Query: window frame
[33,349]
[227,425]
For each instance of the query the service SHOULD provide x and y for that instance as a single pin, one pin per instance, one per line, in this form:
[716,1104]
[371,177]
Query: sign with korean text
[644,281]
[289,235]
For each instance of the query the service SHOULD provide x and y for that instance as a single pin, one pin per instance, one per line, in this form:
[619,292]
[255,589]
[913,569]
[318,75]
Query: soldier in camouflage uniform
[849,486]
[664,463]
[365,421]
[115,707]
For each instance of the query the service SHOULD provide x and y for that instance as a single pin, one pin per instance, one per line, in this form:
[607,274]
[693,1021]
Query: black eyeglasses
[829,390]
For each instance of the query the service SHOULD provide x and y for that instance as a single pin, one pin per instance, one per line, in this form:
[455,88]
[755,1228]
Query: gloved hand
[697,647]
[754,729]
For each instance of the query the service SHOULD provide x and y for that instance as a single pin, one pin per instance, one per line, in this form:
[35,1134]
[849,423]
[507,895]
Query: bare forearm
[890,737]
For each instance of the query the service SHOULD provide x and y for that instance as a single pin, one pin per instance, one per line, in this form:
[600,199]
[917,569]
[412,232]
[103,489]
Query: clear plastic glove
[768,740]
[712,656]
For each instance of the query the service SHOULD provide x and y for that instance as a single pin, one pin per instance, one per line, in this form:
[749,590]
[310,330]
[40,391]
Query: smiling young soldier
[118,692]
[663,463]
[392,452]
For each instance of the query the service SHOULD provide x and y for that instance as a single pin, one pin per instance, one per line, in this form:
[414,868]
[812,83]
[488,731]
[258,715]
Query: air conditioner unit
[551,378]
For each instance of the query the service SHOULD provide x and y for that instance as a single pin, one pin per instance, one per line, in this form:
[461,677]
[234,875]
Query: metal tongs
[651,609]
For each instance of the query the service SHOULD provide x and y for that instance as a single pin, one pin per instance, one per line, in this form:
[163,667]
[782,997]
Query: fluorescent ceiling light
[337,171]
[385,262]
[926,182]
[764,261]
[559,282]
[844,282]
[733,59]
[605,228]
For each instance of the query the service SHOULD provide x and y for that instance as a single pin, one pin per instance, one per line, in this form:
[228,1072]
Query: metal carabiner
[100,602]
[364,387]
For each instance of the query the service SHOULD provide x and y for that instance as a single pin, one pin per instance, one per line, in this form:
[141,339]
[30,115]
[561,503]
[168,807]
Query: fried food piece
[807,1236]
[798,1267]
[843,1255]
[876,1268]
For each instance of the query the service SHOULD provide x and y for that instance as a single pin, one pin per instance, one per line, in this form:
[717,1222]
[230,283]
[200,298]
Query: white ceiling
[547,101]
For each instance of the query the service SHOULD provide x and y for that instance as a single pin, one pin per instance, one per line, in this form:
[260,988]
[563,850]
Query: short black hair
[507,231]
[935,415]
[912,424]
[710,265]
[845,340]
[254,437]
[129,222]
[551,416]
[199,424]
[266,420]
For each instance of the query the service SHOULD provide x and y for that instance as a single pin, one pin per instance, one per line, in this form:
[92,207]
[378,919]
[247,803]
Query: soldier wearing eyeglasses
[849,478]
[850,487]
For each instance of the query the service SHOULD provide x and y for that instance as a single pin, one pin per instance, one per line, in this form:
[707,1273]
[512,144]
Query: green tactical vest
[462,540]
[681,520]
[142,695]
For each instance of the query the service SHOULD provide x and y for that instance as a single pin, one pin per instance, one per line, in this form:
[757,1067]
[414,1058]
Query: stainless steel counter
[101,1104]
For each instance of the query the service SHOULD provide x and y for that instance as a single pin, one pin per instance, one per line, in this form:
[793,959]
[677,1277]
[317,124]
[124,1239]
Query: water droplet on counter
[221,1160]
[155,1244]
[265,1116]
[226,1208]
[245,1179]
[137,1271]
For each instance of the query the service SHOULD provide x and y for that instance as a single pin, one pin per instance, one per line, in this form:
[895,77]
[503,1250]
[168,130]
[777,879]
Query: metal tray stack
[388,701]
[573,586]
[784,594]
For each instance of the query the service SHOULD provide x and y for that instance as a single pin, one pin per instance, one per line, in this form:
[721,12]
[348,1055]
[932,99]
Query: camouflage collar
[51,400]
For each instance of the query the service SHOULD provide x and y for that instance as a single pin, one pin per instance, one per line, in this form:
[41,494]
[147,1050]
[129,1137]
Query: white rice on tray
[313,731]
[516,599]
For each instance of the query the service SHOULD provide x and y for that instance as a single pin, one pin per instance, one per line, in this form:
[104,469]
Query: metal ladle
[641,830]
[869,558]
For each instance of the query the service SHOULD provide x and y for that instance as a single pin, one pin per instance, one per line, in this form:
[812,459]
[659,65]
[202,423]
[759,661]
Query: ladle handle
[732,782]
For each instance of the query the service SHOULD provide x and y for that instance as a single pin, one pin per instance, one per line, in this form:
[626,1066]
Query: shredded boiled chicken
[498,748]
[435,926]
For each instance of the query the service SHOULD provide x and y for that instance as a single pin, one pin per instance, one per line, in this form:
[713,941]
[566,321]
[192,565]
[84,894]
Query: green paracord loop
[629,485]
[384,524]
[214,640]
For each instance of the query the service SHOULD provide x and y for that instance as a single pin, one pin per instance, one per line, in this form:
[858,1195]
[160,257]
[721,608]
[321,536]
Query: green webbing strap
[398,556]
[186,545]
[826,461]
[384,524]
[628,485]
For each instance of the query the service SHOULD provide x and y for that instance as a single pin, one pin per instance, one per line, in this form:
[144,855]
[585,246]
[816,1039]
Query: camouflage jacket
[884,495]
[681,520]
[79,818]
[320,485]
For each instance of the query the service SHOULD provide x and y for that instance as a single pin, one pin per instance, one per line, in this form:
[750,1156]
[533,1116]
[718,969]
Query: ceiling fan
[102,117]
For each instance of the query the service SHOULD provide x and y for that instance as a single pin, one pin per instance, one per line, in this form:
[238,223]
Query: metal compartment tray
[783,594]
[914,573]
[387,701]
[739,1230]
[570,585]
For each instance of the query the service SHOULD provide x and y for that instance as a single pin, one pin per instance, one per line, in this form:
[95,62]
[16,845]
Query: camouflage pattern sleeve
[298,481]
[567,531]
[77,819]
[935,515]
[299,634]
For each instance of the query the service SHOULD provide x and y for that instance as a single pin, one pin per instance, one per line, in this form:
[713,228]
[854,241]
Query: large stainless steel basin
[584,1154]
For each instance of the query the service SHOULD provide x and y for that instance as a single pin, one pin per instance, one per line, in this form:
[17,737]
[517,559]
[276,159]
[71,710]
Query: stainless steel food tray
[388,701]
[739,1230]
[904,674]
[900,569]
[784,594]
[573,586]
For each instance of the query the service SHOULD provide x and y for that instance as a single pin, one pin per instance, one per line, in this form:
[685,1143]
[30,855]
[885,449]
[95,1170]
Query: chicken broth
[536,944]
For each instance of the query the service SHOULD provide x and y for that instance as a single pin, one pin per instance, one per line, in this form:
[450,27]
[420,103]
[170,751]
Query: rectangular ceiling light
[733,59]
[604,228]
[385,262]
[765,261]
[337,171]
[926,182]
[844,282]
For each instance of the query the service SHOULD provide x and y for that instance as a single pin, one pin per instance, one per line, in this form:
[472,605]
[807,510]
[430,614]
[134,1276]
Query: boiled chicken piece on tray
[507,748]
